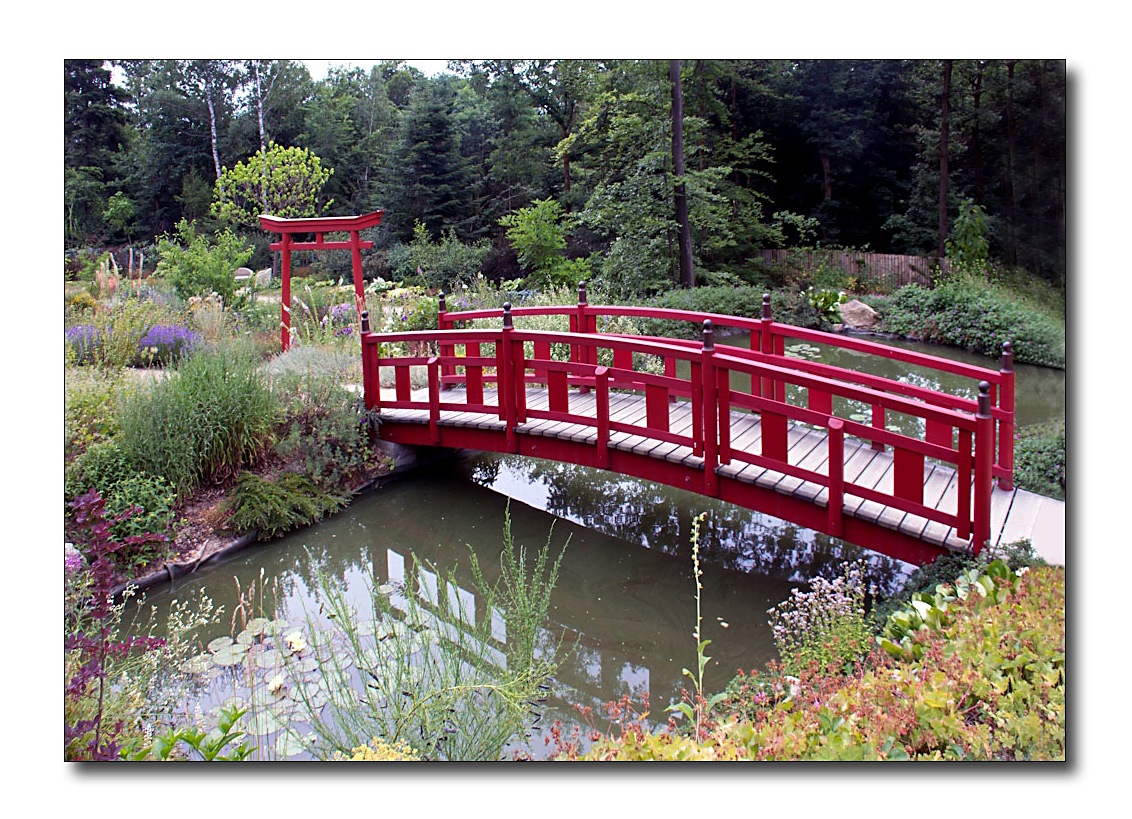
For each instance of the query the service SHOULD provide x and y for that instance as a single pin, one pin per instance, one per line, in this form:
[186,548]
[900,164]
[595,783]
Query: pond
[624,603]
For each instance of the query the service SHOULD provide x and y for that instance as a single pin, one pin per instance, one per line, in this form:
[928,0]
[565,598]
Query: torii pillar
[320,225]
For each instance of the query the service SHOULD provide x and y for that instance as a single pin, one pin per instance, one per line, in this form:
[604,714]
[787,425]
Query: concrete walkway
[1036,517]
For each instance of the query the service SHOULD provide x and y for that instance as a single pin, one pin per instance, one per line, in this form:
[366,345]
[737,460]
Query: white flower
[275,683]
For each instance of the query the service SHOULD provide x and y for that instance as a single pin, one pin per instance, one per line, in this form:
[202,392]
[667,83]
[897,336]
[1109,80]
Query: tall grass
[212,418]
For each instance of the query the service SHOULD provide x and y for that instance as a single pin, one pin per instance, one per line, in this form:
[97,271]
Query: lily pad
[245,638]
[289,744]
[199,664]
[388,589]
[275,627]
[256,624]
[232,655]
[219,643]
[262,722]
[271,658]
[306,664]
[367,628]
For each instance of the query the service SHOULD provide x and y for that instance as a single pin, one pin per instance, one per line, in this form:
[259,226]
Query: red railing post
[446,350]
[766,346]
[434,399]
[356,268]
[509,382]
[581,324]
[984,467]
[710,411]
[602,377]
[836,499]
[1006,425]
[371,389]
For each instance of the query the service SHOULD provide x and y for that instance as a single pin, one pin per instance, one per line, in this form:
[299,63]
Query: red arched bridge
[895,467]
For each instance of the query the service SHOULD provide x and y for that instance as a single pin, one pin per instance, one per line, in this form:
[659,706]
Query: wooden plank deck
[864,466]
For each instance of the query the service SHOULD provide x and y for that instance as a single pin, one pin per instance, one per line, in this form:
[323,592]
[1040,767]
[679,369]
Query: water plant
[698,713]
[433,676]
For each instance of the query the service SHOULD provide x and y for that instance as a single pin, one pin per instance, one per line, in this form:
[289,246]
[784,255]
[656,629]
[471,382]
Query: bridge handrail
[744,323]
[768,337]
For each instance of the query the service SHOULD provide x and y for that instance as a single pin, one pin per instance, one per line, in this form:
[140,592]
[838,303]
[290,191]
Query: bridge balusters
[433,398]
[908,474]
[964,471]
[1006,425]
[516,369]
[723,401]
[879,422]
[766,346]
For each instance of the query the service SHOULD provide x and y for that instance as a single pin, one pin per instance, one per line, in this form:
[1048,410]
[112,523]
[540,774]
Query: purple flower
[82,338]
[73,560]
[344,331]
[163,343]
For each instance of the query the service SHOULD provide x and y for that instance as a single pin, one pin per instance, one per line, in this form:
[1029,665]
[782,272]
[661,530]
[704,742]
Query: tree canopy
[850,150]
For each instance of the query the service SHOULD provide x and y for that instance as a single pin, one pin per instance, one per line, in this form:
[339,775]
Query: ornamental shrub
[825,627]
[273,506]
[196,264]
[1039,459]
[444,264]
[973,314]
[105,469]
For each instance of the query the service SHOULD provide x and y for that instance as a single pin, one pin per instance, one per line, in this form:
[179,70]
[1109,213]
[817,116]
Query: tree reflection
[659,518]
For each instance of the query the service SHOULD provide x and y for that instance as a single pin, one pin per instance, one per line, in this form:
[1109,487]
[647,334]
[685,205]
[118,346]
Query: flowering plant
[165,343]
[825,625]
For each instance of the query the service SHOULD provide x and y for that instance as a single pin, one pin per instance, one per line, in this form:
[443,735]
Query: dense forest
[653,167]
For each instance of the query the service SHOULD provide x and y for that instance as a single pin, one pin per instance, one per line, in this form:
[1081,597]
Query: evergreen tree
[428,178]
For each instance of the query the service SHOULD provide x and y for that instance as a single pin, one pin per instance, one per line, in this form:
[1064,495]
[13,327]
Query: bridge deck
[864,465]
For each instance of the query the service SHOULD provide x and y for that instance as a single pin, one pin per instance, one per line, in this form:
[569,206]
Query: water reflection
[624,603]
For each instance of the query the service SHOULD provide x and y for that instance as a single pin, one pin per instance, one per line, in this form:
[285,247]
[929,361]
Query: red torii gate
[319,225]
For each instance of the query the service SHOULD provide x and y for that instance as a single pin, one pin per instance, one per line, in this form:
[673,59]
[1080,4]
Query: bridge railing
[769,338]
[702,373]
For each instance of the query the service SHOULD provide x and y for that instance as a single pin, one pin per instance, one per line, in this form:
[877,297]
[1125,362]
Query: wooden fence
[887,270]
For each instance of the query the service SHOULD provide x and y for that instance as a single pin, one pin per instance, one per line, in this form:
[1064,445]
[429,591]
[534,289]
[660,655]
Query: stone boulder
[243,274]
[263,277]
[857,315]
